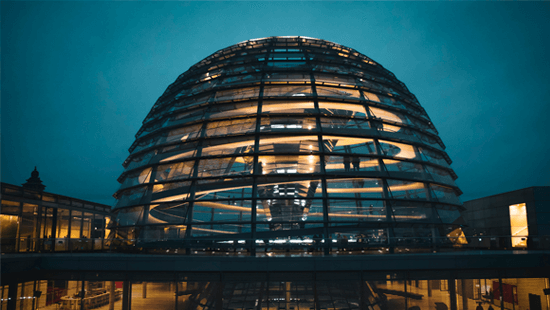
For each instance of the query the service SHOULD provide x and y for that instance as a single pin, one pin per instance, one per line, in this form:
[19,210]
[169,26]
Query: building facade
[516,219]
[36,221]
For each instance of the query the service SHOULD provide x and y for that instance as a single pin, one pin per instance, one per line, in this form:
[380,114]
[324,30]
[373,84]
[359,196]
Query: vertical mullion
[386,195]
[255,165]
[191,198]
[321,153]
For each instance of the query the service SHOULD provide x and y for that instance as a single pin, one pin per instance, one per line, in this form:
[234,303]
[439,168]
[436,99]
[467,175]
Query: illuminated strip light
[240,111]
[217,205]
[407,187]
[410,217]
[413,186]
[214,230]
[154,220]
[363,164]
[342,106]
[171,198]
[179,156]
[274,107]
[407,151]
[241,144]
[386,115]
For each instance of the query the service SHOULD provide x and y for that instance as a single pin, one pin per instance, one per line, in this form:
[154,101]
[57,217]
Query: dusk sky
[78,78]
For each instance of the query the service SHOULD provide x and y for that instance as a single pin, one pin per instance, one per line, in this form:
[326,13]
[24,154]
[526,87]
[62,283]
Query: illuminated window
[518,225]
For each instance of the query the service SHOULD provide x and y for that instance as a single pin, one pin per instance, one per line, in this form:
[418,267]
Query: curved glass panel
[286,140]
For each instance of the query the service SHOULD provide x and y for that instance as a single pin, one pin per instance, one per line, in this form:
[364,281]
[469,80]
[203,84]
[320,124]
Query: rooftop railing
[275,247]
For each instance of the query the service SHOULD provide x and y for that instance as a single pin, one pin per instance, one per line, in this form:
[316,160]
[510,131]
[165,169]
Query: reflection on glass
[295,106]
[289,164]
[334,164]
[289,144]
[286,124]
[355,188]
[225,166]
[338,144]
[342,109]
[230,127]
[287,90]
[323,91]
[174,171]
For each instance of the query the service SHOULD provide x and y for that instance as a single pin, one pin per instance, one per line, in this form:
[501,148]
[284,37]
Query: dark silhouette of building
[34,182]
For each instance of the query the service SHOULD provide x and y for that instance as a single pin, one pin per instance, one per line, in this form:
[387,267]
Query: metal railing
[291,245]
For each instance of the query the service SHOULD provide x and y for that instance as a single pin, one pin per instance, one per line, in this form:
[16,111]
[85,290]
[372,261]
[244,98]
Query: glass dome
[287,141]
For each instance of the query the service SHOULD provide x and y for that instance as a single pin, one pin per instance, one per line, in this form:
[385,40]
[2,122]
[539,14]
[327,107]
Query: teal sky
[78,78]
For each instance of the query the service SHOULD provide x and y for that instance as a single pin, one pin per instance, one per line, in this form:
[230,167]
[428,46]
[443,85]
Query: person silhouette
[356,161]
[346,163]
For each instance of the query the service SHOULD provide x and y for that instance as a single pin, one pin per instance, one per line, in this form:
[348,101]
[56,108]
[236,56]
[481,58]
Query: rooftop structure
[516,219]
[32,220]
[287,140]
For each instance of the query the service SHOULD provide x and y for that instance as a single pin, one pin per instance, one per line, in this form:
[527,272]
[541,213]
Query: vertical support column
[54,230]
[129,295]
[257,169]
[389,220]
[36,240]
[375,125]
[260,297]
[80,235]
[429,287]
[176,293]
[112,295]
[500,291]
[126,295]
[189,218]
[12,296]
[17,234]
[287,295]
[327,239]
[452,292]
[141,236]
[464,295]
[69,229]
[406,295]
[315,296]
[34,299]
[435,215]
[219,296]
[362,296]
[82,293]
[144,289]
[386,195]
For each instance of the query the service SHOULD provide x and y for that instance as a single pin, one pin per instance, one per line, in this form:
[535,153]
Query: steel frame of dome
[286,140]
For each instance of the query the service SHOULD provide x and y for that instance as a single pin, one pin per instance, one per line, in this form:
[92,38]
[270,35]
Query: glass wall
[382,291]
[297,136]
[51,223]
